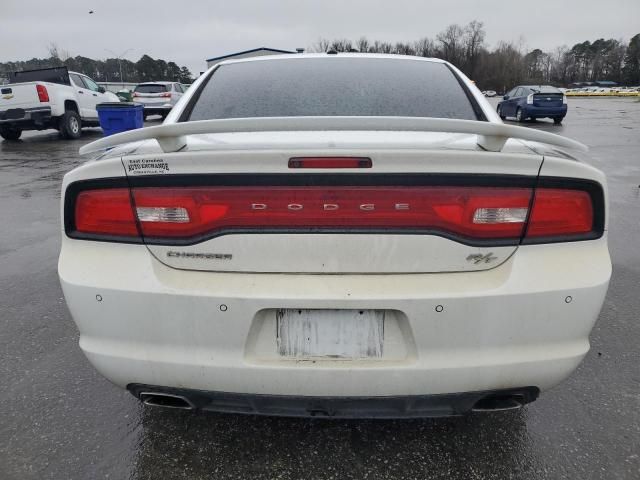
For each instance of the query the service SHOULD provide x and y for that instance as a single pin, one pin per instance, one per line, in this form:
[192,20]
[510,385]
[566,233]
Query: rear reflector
[43,95]
[330,162]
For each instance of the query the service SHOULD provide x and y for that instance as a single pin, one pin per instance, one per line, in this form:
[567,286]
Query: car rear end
[335,273]
[545,102]
[156,97]
[24,106]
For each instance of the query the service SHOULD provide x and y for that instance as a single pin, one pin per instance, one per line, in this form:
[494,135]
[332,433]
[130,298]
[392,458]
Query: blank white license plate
[349,334]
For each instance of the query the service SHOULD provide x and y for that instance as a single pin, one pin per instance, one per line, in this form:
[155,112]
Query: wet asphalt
[59,419]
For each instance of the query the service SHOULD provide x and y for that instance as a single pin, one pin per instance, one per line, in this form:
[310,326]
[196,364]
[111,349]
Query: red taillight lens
[471,212]
[105,212]
[166,95]
[330,162]
[135,94]
[560,213]
[43,95]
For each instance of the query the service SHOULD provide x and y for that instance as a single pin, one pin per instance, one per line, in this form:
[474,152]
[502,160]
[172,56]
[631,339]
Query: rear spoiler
[490,136]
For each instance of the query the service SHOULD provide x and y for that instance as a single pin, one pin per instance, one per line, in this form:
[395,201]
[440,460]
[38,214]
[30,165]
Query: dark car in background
[533,101]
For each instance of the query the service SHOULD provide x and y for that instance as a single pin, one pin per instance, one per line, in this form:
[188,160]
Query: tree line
[510,63]
[146,69]
[497,68]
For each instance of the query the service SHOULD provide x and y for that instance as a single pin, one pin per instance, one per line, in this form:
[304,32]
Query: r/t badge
[478,258]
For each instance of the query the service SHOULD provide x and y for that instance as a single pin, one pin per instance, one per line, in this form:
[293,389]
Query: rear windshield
[151,88]
[333,87]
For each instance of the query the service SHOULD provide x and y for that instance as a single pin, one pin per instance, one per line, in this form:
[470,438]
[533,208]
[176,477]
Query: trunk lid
[548,99]
[343,237]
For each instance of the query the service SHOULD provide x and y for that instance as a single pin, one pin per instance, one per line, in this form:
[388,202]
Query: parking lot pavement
[59,419]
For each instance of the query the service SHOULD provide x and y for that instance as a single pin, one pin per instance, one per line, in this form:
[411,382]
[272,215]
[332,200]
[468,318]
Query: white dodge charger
[340,235]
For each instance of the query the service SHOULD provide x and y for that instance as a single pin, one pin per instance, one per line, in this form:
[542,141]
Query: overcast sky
[190,31]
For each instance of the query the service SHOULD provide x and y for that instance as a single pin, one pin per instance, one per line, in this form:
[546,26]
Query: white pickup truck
[50,98]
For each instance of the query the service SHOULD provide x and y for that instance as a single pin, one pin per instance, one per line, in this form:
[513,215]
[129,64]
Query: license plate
[340,334]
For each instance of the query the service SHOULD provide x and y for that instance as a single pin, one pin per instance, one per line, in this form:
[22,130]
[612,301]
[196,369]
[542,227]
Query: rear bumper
[525,322]
[26,118]
[415,406]
[157,109]
[540,112]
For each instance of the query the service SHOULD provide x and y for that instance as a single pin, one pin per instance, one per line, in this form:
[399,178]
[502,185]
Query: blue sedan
[534,101]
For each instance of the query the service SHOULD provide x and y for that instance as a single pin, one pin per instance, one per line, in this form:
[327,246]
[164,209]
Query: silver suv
[158,98]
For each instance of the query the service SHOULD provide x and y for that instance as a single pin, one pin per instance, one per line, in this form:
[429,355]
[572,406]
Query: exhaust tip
[166,400]
[499,403]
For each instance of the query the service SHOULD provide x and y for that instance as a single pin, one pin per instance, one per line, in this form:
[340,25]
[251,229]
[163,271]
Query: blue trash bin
[116,117]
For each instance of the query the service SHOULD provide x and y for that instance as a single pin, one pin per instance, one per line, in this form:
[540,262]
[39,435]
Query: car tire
[499,110]
[70,125]
[10,134]
[520,116]
[558,120]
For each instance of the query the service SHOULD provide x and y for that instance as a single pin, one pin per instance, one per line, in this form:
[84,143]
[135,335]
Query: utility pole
[119,58]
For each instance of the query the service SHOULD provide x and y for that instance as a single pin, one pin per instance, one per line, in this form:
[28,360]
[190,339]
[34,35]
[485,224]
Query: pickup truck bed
[40,104]
[20,106]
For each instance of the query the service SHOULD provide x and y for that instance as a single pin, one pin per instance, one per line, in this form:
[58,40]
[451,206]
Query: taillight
[166,95]
[197,212]
[135,94]
[105,212]
[560,210]
[43,95]
[560,213]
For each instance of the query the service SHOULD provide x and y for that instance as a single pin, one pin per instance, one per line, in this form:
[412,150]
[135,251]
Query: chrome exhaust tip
[166,400]
[499,403]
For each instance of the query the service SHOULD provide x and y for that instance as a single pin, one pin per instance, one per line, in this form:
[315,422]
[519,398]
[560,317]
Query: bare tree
[510,63]
[401,48]
[501,68]
[321,46]
[382,47]
[52,48]
[425,47]
[59,55]
[474,40]
[362,45]
[452,44]
[341,45]
[559,64]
